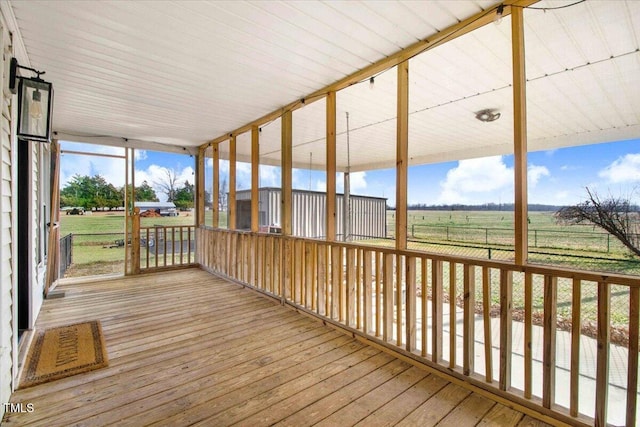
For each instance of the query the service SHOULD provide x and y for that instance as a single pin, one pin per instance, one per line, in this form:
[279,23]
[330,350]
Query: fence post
[413,230]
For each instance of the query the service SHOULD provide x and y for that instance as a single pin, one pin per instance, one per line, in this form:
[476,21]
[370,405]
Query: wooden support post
[287,172]
[200,187]
[520,136]
[53,250]
[255,178]
[402,155]
[331,167]
[215,209]
[231,202]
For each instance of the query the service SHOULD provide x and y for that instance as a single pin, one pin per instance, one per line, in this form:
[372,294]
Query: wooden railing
[159,247]
[493,325]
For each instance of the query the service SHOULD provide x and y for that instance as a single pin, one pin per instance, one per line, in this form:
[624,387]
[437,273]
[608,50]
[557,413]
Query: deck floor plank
[186,347]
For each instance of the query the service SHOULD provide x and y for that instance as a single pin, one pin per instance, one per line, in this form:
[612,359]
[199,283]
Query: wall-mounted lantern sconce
[35,101]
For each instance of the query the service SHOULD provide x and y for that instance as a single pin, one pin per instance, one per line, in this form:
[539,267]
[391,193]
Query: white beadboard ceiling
[182,73]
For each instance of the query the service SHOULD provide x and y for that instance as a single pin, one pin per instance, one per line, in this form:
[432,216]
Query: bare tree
[168,184]
[618,216]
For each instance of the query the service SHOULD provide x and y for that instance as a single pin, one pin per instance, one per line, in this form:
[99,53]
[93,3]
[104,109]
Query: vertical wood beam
[402,155]
[255,178]
[200,187]
[331,167]
[216,187]
[287,172]
[231,203]
[519,135]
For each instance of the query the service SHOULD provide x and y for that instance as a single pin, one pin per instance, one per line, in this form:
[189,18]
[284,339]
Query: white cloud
[357,180]
[475,178]
[534,173]
[624,169]
[140,155]
[269,176]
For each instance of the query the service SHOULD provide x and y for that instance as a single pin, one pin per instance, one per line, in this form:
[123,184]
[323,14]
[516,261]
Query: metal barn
[368,214]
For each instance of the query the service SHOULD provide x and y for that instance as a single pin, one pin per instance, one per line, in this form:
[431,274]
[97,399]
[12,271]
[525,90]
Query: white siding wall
[7,232]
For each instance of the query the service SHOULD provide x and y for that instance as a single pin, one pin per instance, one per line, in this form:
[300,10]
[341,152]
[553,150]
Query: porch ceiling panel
[185,72]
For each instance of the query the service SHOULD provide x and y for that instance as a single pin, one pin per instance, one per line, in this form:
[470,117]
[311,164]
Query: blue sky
[556,177]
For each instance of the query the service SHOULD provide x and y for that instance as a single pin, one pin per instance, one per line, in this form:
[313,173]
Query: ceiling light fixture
[372,82]
[488,115]
[499,12]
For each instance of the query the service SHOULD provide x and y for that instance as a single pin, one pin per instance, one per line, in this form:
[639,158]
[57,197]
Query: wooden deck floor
[188,348]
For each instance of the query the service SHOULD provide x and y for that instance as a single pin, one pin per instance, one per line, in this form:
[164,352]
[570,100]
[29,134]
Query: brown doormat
[64,351]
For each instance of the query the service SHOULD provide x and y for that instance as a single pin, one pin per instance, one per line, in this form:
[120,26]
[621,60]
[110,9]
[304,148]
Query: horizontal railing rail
[492,324]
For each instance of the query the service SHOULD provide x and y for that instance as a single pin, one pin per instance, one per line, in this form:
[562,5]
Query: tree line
[95,193]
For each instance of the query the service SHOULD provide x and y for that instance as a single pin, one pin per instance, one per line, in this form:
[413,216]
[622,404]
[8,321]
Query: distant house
[162,208]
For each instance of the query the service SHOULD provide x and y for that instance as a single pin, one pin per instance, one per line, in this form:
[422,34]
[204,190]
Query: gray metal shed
[368,214]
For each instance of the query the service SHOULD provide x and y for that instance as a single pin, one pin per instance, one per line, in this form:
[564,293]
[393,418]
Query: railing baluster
[506,305]
[308,275]
[452,315]
[410,305]
[436,309]
[486,315]
[359,290]
[387,284]
[469,303]
[351,287]
[379,298]
[549,352]
[632,377]
[336,266]
[528,335]
[173,245]
[322,279]
[423,299]
[602,364]
[575,347]
[367,284]
[399,299]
